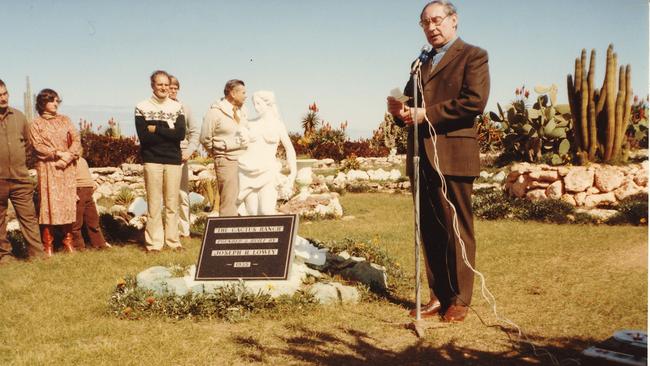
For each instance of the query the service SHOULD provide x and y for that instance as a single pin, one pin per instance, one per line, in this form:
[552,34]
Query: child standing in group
[86,210]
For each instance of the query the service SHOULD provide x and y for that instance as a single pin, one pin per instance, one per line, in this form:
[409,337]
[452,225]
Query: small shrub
[198,226]
[547,210]
[328,149]
[489,134]
[124,197]
[358,187]
[350,163]
[632,210]
[18,243]
[107,151]
[491,204]
[364,148]
[301,150]
[117,229]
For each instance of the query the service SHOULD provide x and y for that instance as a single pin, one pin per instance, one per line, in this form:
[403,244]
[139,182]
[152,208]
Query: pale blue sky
[344,55]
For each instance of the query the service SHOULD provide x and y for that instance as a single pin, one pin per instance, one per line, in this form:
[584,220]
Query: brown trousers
[87,218]
[21,194]
[450,279]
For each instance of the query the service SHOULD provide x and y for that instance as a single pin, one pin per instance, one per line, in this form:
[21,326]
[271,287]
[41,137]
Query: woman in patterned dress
[57,147]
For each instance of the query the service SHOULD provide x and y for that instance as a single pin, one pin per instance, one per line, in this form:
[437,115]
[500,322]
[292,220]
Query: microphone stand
[418,325]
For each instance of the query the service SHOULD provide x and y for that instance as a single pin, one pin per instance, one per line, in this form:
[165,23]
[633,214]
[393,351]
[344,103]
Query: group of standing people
[454,86]
[64,182]
[244,155]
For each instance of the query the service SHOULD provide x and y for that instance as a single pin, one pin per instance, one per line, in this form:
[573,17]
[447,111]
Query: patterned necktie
[432,56]
[234,114]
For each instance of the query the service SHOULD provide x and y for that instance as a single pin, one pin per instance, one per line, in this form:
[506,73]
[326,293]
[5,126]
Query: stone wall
[587,187]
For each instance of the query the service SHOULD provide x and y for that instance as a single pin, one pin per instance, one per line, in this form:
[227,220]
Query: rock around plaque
[247,247]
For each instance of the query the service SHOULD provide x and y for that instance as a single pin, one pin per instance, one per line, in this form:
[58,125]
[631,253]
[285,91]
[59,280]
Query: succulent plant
[530,133]
[601,115]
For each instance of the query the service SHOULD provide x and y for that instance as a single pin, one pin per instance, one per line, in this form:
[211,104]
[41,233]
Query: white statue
[259,169]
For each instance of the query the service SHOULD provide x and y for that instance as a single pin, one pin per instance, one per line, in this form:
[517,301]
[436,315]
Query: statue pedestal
[303,177]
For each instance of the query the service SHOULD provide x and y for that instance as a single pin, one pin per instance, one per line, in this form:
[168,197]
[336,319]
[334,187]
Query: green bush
[18,243]
[491,204]
[548,210]
[632,210]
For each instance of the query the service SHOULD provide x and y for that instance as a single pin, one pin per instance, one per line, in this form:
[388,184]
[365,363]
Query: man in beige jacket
[224,135]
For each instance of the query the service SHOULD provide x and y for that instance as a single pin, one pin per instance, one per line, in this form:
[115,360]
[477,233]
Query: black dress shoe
[455,313]
[427,311]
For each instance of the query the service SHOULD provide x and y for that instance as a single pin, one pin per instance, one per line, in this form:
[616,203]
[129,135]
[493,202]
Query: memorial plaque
[247,247]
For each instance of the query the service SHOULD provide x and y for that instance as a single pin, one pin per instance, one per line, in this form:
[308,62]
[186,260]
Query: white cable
[487,294]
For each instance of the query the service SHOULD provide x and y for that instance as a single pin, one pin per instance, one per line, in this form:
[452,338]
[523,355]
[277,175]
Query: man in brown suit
[15,184]
[455,86]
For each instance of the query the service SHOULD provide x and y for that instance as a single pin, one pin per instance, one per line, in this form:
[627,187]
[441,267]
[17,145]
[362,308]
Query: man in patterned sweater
[160,124]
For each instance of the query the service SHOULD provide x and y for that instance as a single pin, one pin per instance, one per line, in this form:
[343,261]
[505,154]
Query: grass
[567,286]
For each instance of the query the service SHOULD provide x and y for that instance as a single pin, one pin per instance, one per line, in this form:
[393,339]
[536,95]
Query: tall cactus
[601,115]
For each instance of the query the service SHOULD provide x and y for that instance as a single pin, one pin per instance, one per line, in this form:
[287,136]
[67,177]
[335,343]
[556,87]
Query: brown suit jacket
[455,92]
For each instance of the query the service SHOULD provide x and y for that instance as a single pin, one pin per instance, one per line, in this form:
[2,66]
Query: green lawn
[566,286]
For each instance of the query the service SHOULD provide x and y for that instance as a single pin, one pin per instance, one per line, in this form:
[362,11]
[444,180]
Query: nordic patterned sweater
[164,145]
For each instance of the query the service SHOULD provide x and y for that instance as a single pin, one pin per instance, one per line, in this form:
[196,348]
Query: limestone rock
[608,179]
[555,191]
[629,188]
[536,195]
[340,180]
[325,293]
[568,198]
[545,175]
[599,214]
[593,190]
[118,210]
[538,184]
[367,273]
[499,177]
[309,253]
[394,175]
[641,177]
[580,198]
[132,169]
[600,199]
[105,190]
[153,278]
[485,175]
[357,175]
[578,180]
[347,294]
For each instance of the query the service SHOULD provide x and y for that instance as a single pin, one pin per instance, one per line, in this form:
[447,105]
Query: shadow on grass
[353,347]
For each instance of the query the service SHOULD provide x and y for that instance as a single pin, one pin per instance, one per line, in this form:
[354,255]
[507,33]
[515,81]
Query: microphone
[424,54]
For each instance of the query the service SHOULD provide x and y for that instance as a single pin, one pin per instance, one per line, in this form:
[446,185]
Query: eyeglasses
[437,21]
